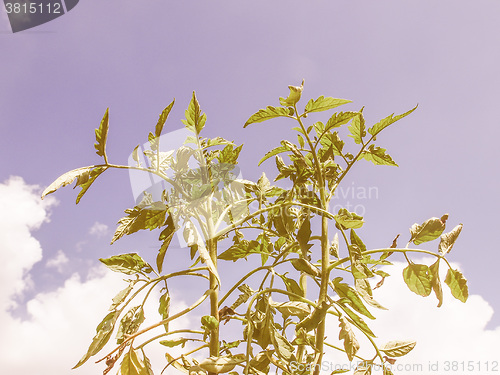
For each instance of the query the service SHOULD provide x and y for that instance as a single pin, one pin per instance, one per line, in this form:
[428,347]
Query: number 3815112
[31,8]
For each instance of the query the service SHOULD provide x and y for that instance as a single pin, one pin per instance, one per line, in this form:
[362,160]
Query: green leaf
[304,235]
[364,368]
[195,118]
[294,308]
[150,217]
[241,250]
[448,240]
[104,331]
[86,179]
[357,128]
[164,308]
[343,290]
[355,240]
[378,156]
[458,284]
[294,96]
[122,295]
[333,140]
[219,365]
[209,322]
[303,265]
[173,343]
[247,292]
[348,219]
[129,264]
[314,319]
[384,123]
[166,236]
[135,155]
[357,321]
[398,348]
[436,283]
[101,135]
[429,230]
[283,348]
[418,279]
[163,118]
[365,291]
[351,344]
[130,323]
[340,118]
[324,104]
[274,151]
[66,179]
[267,114]
[132,365]
[292,286]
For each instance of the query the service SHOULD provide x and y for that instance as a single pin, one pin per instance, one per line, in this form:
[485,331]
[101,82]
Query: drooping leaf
[266,114]
[398,348]
[132,364]
[128,264]
[150,217]
[135,155]
[429,230]
[324,104]
[166,236]
[294,308]
[448,240]
[357,321]
[294,96]
[164,308]
[241,250]
[314,319]
[435,282]
[343,290]
[219,365]
[174,342]
[86,179]
[384,123]
[357,128]
[283,348]
[122,295]
[66,179]
[364,368]
[273,152]
[304,235]
[418,279]
[101,134]
[303,265]
[334,247]
[292,286]
[195,118]
[247,292]
[351,344]
[104,331]
[355,240]
[458,284]
[378,156]
[364,289]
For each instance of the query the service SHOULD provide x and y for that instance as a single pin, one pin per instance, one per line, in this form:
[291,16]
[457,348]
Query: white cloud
[58,262]
[99,229]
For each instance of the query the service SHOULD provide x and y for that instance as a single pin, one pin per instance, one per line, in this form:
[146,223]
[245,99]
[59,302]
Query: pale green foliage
[283,319]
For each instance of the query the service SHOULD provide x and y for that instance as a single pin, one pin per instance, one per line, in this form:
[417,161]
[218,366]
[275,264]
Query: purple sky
[57,80]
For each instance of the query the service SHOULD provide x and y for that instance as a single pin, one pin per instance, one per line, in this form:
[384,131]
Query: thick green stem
[214,300]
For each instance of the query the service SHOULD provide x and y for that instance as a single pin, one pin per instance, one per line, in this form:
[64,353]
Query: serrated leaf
[364,289]
[351,344]
[458,284]
[343,290]
[436,283]
[378,156]
[355,240]
[324,104]
[294,308]
[150,217]
[132,365]
[273,152]
[428,231]
[333,140]
[104,331]
[418,279]
[128,264]
[357,128]
[266,114]
[339,118]
[283,348]
[448,240]
[87,179]
[384,123]
[195,118]
[66,179]
[164,308]
[247,292]
[101,134]
[163,118]
[398,348]
[241,250]
[209,322]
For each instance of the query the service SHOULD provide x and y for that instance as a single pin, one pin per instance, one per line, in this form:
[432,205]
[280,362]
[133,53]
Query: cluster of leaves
[283,317]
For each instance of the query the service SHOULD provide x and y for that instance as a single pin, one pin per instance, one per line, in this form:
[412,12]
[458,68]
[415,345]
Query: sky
[57,80]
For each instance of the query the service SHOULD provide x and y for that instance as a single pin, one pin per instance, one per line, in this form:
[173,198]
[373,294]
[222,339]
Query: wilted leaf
[343,290]
[166,236]
[364,368]
[364,289]
[292,286]
[174,342]
[130,323]
[303,265]
[349,219]
[128,264]
[351,344]
[132,364]
[418,279]
[324,104]
[164,308]
[101,135]
[436,283]
[267,114]
[294,308]
[358,321]
[314,319]
[448,239]
[382,124]
[122,295]
[66,179]
[219,365]
[428,231]
[398,348]
[86,179]
[458,284]
[283,348]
